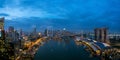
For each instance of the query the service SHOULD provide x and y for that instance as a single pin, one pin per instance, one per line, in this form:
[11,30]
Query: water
[62,50]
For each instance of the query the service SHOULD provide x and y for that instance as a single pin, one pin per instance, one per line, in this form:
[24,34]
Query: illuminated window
[0,33]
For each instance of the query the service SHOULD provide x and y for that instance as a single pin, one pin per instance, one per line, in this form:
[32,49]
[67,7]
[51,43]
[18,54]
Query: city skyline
[73,15]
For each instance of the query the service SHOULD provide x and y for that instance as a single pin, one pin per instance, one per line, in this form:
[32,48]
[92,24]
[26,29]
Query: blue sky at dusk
[73,15]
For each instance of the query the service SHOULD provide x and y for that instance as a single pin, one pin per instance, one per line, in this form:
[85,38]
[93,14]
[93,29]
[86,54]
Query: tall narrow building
[11,29]
[101,35]
[2,23]
[2,35]
[6,52]
[3,54]
[46,32]
[34,31]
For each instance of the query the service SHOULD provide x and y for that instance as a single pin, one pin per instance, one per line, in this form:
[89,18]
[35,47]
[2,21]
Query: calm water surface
[62,50]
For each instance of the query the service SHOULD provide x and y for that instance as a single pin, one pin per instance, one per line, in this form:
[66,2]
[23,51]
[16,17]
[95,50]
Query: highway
[31,49]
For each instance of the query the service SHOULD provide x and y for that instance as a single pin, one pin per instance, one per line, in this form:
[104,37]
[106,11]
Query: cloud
[73,14]
[3,14]
[17,9]
[26,12]
[58,8]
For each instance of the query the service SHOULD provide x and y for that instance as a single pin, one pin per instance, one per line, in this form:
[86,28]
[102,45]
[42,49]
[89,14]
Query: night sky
[74,15]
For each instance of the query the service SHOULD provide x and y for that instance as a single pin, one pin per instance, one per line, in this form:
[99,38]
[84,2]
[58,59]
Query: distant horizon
[42,30]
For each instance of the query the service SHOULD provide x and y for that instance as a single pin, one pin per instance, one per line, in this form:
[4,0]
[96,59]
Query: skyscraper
[34,31]
[11,29]
[20,33]
[3,46]
[2,33]
[2,23]
[46,32]
[101,35]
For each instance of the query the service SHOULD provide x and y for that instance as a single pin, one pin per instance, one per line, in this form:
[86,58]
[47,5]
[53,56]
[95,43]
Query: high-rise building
[34,31]
[101,35]
[2,33]
[10,34]
[21,32]
[2,23]
[46,32]
[3,45]
[11,29]
[97,33]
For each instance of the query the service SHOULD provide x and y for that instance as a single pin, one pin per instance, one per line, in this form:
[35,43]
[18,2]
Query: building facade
[101,35]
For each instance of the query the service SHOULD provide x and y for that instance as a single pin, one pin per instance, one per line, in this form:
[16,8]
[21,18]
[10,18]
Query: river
[62,50]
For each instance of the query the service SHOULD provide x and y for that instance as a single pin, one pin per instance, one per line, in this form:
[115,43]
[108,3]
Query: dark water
[62,50]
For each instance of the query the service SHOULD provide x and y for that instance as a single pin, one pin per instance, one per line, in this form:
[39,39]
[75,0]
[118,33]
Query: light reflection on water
[62,50]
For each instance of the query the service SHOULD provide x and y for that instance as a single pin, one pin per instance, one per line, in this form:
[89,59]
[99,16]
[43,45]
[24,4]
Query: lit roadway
[30,46]
[37,42]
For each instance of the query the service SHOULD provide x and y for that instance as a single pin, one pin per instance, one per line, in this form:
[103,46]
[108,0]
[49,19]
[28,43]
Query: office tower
[34,33]
[46,32]
[101,35]
[16,35]
[21,32]
[10,34]
[11,29]
[97,33]
[3,45]
[2,23]
[2,33]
